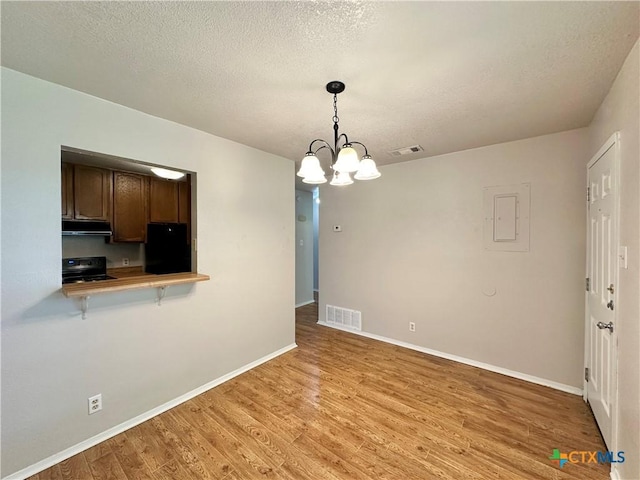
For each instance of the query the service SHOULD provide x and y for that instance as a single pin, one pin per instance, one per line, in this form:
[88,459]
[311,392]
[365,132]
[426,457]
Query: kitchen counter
[127,281]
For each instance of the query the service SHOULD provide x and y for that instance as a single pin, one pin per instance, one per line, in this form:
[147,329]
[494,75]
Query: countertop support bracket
[162,291]
[84,306]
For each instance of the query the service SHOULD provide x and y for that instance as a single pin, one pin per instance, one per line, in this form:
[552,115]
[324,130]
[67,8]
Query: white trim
[485,366]
[107,434]
[611,141]
[614,474]
[308,302]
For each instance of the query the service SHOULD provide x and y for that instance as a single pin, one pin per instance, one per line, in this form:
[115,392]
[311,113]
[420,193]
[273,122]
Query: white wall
[620,111]
[304,247]
[411,249]
[138,355]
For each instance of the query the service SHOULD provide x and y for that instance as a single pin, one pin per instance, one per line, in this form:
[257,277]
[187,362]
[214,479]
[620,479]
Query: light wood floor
[345,407]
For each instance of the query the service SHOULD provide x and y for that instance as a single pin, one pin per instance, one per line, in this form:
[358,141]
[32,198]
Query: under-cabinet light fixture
[168,174]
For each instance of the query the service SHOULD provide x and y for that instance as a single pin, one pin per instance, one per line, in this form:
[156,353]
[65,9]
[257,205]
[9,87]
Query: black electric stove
[84,269]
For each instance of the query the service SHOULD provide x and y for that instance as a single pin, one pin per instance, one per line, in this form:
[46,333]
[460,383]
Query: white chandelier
[344,159]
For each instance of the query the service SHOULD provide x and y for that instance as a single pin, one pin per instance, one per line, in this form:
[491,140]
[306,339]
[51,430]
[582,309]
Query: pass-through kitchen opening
[123,218]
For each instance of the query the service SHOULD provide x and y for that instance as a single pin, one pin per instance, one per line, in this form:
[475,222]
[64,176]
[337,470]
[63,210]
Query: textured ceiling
[446,75]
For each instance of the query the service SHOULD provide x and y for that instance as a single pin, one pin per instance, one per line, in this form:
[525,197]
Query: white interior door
[602,266]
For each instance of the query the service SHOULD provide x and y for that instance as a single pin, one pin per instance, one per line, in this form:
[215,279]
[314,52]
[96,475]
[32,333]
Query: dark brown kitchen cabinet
[129,207]
[66,183]
[92,190]
[184,205]
[129,200]
[163,201]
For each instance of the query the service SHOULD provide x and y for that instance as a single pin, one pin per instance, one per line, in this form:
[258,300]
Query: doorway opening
[306,246]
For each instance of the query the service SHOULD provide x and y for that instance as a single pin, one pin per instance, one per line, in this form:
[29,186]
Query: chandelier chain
[335,108]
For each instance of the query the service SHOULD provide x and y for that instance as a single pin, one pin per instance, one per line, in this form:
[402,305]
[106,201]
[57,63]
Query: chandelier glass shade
[311,169]
[341,178]
[344,158]
[348,160]
[367,170]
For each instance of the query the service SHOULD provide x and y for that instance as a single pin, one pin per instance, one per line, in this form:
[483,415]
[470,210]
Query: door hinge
[588,194]
[586,374]
[588,283]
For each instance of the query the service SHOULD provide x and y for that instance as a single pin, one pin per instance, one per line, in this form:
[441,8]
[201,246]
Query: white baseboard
[485,366]
[107,434]
[614,474]
[308,302]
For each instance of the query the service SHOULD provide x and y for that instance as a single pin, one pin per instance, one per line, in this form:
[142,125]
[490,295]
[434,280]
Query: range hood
[74,227]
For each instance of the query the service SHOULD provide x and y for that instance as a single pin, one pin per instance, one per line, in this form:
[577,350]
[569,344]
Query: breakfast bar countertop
[129,282]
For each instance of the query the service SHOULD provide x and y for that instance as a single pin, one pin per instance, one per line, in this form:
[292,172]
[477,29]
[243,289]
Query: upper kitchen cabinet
[100,188]
[92,190]
[67,191]
[184,201]
[129,207]
[163,201]
[184,205]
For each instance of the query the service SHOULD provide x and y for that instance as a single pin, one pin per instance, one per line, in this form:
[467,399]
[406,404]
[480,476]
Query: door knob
[608,326]
[610,288]
[610,305]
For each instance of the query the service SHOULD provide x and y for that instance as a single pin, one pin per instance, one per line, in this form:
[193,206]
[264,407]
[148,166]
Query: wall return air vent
[398,152]
[343,317]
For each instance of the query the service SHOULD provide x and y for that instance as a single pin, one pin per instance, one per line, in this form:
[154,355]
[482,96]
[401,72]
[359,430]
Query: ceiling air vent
[398,152]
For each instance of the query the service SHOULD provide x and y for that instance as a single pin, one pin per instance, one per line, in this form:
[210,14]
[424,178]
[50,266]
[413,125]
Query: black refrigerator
[167,250]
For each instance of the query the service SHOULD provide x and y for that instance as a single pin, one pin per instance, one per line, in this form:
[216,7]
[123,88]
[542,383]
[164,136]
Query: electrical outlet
[95,404]
[412,326]
[125,262]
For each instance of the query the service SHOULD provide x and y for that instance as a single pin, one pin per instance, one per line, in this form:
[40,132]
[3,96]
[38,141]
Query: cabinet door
[129,207]
[184,206]
[163,201]
[91,193]
[66,184]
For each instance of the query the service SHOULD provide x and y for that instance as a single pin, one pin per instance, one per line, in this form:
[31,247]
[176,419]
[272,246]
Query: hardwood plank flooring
[346,407]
